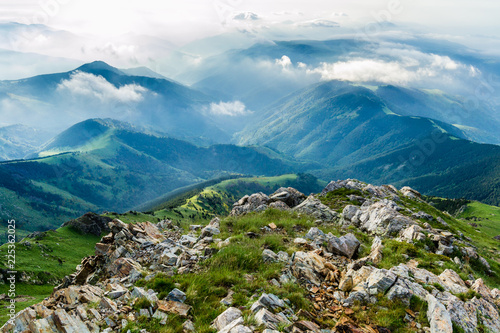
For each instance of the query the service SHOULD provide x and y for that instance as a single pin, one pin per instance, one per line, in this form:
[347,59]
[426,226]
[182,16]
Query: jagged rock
[226,318]
[174,307]
[117,293]
[404,289]
[268,301]
[300,241]
[376,250]
[211,229]
[439,318]
[67,323]
[269,319]
[413,232]
[255,203]
[379,218]
[350,184]
[488,312]
[107,303]
[116,226]
[287,277]
[481,288]
[138,292]
[290,196]
[346,284]
[350,212]
[314,207]
[283,256]
[123,267]
[484,263]
[188,241]
[423,216]
[452,282]
[410,193]
[461,313]
[169,259]
[379,281]
[279,205]
[307,266]
[90,223]
[314,233]
[176,295]
[307,326]
[347,245]
[228,300]
[188,326]
[269,256]
[101,248]
[470,252]
[444,249]
[424,276]
[239,329]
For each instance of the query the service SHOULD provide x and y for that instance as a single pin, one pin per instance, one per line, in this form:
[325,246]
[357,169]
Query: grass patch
[53,256]
[35,294]
[238,267]
[338,199]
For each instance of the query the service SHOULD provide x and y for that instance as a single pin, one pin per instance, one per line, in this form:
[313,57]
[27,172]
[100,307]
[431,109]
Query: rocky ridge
[102,295]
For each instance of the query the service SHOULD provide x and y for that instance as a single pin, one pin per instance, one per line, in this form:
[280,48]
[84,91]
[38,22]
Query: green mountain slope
[352,133]
[111,167]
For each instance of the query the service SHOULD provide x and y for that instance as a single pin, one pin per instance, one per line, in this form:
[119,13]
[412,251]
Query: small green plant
[470,294]
[281,327]
[142,303]
[438,286]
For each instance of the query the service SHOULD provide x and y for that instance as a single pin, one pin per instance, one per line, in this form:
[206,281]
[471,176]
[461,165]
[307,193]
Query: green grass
[46,260]
[35,294]
[391,313]
[338,199]
[52,257]
[238,267]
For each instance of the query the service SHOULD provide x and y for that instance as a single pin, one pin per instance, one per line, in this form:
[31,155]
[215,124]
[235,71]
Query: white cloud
[90,85]
[405,67]
[248,16]
[318,23]
[363,71]
[284,62]
[232,109]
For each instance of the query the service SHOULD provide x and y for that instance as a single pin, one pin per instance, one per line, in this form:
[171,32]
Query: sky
[183,21]
[147,32]
[180,40]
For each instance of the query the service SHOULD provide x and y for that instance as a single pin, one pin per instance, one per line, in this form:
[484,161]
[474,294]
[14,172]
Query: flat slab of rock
[226,317]
[346,245]
[439,318]
[174,307]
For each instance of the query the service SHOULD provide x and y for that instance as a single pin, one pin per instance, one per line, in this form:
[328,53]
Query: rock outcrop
[339,273]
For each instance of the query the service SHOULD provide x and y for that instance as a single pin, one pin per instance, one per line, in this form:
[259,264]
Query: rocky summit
[355,258]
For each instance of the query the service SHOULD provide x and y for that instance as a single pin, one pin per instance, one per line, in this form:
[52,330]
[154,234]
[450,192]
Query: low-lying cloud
[385,65]
[97,87]
[231,109]
[247,16]
[402,71]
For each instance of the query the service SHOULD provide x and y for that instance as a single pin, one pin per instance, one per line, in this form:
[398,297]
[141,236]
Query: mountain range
[99,90]
[109,165]
[108,139]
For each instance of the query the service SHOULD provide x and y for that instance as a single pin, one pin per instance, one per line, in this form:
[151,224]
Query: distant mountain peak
[97,66]
[143,71]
